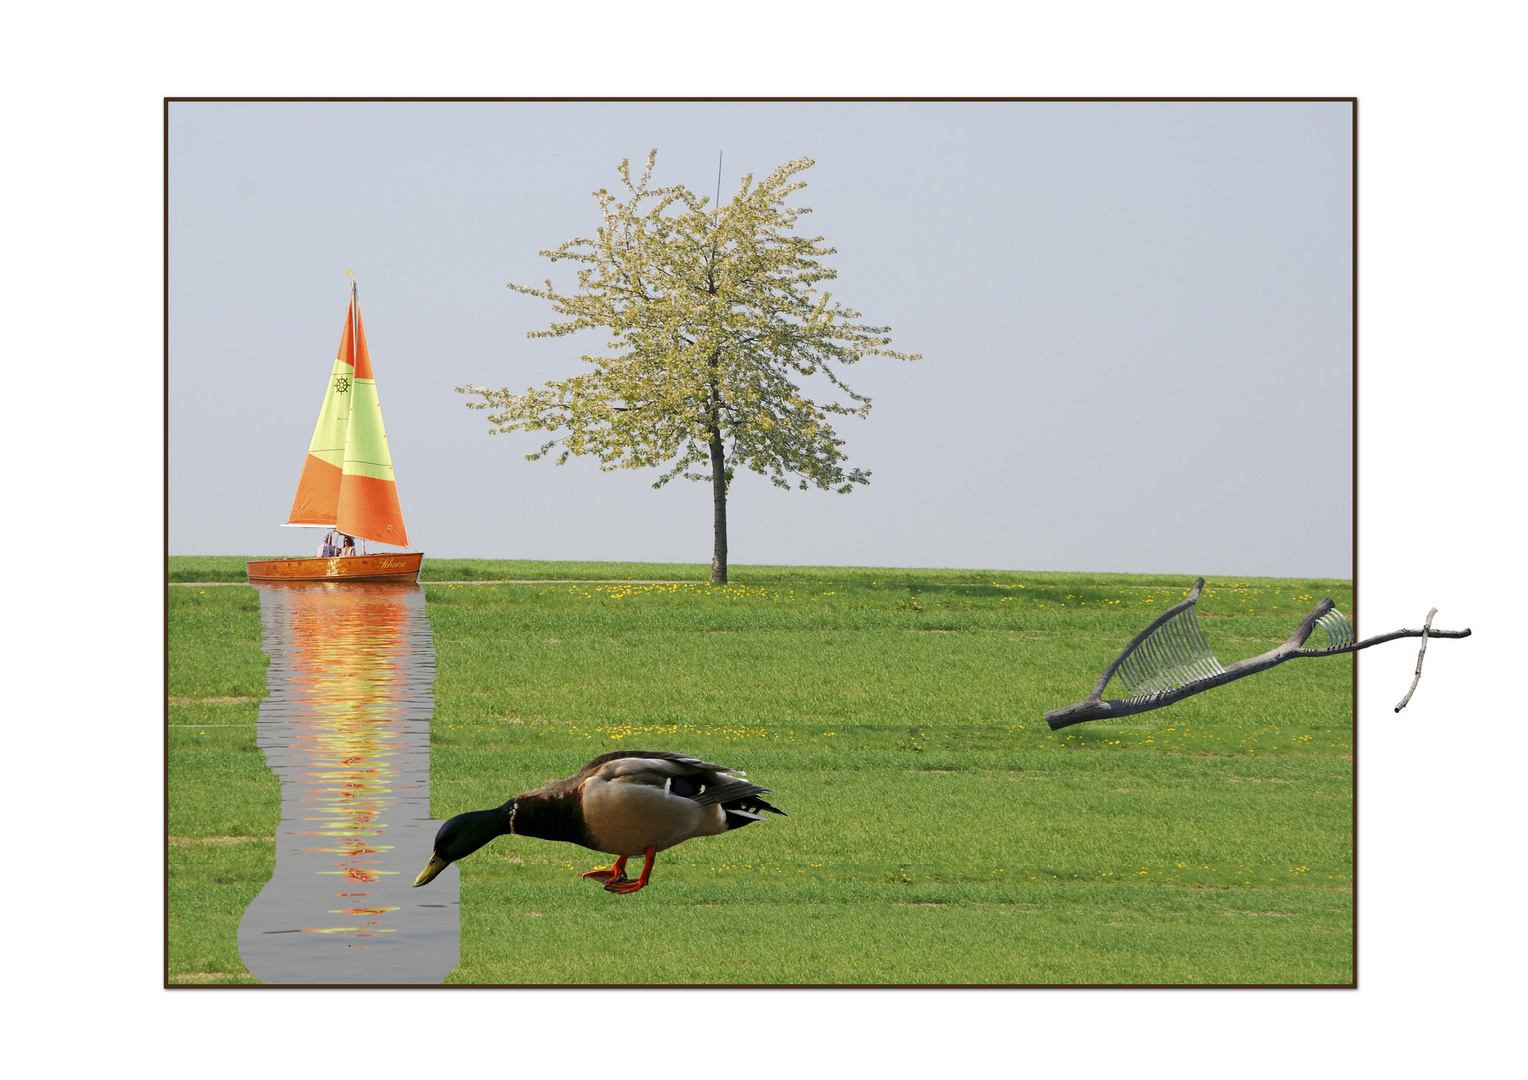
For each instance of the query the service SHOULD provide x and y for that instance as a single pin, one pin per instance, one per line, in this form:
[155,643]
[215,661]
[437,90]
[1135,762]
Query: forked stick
[1170,661]
[1420,653]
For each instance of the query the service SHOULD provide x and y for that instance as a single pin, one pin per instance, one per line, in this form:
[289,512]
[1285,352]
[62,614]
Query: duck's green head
[463,835]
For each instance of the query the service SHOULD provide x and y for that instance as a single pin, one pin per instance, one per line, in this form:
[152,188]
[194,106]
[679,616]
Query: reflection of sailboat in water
[346,730]
[343,667]
[347,481]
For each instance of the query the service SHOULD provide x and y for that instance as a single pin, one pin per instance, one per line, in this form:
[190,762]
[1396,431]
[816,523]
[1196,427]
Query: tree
[715,316]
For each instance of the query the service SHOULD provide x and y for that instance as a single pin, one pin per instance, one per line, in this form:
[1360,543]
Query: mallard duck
[632,802]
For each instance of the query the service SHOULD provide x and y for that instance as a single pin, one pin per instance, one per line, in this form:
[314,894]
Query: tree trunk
[719,498]
[718,467]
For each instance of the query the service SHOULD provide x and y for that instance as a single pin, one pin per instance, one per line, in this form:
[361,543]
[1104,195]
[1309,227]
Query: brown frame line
[787,100]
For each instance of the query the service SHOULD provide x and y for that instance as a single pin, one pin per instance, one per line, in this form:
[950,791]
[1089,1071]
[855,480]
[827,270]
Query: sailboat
[347,480]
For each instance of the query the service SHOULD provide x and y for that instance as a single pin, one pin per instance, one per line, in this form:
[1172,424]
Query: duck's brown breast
[554,812]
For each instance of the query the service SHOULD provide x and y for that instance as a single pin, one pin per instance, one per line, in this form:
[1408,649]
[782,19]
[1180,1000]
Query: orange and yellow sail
[347,480]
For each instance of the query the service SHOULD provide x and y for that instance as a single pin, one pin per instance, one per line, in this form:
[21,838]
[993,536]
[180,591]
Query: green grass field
[224,801]
[938,831]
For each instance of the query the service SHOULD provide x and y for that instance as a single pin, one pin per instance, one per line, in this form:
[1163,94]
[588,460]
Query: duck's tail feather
[755,805]
[739,799]
[737,816]
[747,810]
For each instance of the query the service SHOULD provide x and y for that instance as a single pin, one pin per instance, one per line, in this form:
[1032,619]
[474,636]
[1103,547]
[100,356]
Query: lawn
[938,831]
[224,803]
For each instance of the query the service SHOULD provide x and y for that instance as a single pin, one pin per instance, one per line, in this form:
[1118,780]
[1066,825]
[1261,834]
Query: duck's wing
[658,764]
[682,776]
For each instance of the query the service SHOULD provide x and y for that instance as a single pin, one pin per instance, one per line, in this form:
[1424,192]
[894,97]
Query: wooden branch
[1094,708]
[1426,626]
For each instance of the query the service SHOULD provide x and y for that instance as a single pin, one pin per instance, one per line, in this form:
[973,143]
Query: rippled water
[346,729]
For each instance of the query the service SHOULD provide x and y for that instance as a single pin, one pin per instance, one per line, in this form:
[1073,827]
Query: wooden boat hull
[401,567]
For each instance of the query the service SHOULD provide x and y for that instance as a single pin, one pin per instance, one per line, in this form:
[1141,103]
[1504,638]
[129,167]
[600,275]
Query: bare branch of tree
[1421,652]
[1208,677]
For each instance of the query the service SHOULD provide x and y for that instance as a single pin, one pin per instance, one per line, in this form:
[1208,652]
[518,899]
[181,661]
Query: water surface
[346,729]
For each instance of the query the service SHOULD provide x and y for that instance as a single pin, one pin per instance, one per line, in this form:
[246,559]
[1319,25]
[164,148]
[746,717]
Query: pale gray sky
[1135,322]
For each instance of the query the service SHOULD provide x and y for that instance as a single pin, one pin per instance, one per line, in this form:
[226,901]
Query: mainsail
[318,490]
[347,480]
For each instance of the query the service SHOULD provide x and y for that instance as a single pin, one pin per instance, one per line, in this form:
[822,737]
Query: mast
[355,317]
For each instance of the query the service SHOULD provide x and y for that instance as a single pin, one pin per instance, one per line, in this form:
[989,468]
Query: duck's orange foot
[610,873]
[622,884]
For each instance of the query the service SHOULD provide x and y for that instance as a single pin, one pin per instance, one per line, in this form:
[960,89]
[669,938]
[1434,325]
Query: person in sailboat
[349,546]
[327,549]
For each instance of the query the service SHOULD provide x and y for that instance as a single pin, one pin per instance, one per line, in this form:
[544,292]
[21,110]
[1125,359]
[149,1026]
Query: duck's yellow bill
[431,870]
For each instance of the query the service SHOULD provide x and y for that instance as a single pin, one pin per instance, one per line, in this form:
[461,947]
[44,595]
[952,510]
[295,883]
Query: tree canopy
[715,317]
